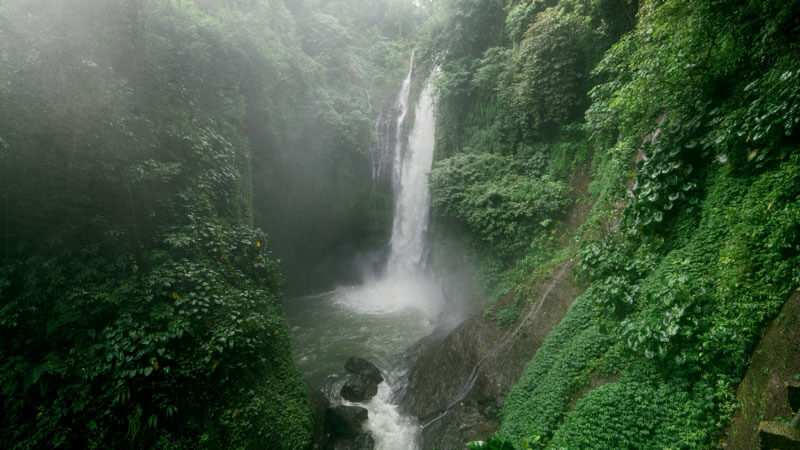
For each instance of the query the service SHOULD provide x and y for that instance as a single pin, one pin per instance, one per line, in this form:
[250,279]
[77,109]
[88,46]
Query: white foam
[390,429]
[393,293]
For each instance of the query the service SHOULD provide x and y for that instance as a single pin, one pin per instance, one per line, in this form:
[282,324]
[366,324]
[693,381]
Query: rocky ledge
[456,380]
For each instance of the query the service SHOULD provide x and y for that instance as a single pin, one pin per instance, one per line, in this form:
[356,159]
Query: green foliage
[686,262]
[537,403]
[140,351]
[465,28]
[546,73]
[498,198]
[493,443]
[664,181]
[508,315]
[142,306]
[632,414]
[508,95]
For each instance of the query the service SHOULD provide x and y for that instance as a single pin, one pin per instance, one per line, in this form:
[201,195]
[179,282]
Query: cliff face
[762,393]
[459,379]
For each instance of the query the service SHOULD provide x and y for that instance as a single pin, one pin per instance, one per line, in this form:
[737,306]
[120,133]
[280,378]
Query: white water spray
[402,105]
[390,429]
[412,197]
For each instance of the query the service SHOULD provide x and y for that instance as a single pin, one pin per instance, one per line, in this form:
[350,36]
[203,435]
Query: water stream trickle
[383,316]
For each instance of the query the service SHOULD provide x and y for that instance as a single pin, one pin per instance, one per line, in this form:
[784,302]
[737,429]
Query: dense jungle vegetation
[685,115]
[143,147]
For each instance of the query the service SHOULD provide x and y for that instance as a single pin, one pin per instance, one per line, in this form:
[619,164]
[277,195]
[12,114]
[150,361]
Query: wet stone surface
[362,382]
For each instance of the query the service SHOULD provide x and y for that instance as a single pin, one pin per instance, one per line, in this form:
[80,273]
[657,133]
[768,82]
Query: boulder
[345,420]
[362,382]
[777,435]
[361,366]
[358,388]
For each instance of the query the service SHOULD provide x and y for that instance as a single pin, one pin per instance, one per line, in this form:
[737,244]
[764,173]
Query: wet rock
[363,441]
[366,369]
[362,382]
[459,425]
[358,388]
[345,420]
[319,404]
[482,361]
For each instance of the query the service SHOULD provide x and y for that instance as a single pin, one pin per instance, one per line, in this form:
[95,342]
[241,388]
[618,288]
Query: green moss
[536,405]
[698,311]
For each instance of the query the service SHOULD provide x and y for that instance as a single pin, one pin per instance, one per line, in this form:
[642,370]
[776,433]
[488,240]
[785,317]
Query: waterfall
[402,106]
[400,306]
[408,164]
[382,157]
[405,283]
[412,164]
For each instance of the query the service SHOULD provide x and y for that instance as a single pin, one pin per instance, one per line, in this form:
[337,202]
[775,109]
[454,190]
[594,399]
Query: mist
[174,174]
[398,224]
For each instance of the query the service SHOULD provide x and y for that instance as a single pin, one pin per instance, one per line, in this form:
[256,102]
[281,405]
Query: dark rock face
[363,441]
[457,379]
[318,404]
[763,393]
[362,382]
[345,420]
[793,394]
[361,366]
[358,389]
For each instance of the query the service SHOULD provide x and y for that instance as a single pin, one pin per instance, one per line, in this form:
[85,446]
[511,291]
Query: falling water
[382,316]
[405,281]
[382,156]
[412,196]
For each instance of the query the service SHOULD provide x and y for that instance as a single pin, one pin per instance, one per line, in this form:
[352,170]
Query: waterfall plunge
[412,196]
[405,282]
[405,289]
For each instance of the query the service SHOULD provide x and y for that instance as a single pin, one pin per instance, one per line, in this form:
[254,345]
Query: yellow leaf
[155,364]
[258,244]
[175,295]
